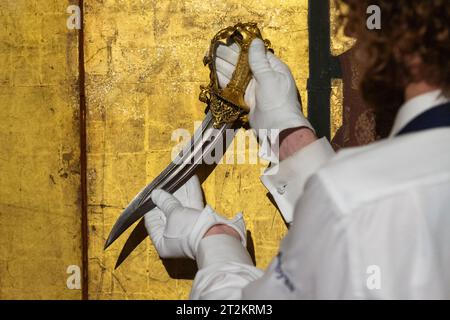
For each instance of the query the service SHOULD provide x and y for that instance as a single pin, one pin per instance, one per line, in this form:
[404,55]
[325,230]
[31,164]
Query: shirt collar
[416,106]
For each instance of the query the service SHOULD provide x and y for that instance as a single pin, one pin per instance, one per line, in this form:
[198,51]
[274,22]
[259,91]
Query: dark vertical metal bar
[322,66]
[83,157]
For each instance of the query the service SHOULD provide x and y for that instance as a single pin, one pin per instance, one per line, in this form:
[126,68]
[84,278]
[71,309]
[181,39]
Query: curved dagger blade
[139,233]
[138,206]
[174,176]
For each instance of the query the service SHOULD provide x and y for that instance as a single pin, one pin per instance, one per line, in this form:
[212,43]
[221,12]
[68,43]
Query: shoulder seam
[332,193]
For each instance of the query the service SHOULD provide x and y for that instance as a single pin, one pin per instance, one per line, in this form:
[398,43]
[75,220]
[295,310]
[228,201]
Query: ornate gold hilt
[227,105]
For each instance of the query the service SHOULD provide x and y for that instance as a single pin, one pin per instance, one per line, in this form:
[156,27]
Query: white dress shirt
[370,222]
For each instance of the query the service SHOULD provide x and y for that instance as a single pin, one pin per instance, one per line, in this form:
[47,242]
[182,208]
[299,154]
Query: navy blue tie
[437,117]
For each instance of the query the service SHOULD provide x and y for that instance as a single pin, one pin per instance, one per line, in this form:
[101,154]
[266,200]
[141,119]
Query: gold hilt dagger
[226,107]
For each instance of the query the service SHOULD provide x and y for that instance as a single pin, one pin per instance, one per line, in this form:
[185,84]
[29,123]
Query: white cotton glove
[180,221]
[271,95]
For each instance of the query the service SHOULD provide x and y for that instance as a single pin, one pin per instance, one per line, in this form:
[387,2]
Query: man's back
[392,200]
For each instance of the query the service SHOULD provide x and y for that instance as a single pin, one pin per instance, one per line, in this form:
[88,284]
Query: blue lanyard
[437,117]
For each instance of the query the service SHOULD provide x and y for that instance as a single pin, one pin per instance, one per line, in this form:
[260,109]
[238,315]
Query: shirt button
[281,190]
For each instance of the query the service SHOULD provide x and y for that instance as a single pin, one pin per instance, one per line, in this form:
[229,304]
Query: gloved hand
[272,93]
[180,221]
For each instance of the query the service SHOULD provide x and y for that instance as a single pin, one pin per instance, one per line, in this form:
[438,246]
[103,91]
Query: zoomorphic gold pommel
[227,105]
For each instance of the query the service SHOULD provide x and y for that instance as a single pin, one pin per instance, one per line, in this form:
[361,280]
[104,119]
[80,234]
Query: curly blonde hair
[410,29]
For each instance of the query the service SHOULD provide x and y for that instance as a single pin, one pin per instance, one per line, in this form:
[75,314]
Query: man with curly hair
[366,223]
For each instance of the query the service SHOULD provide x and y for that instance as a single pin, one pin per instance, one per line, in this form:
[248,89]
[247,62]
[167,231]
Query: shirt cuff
[221,249]
[286,180]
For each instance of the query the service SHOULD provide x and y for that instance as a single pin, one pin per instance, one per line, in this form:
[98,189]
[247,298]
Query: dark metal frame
[323,66]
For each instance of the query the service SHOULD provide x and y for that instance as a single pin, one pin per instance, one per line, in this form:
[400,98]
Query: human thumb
[166,202]
[257,59]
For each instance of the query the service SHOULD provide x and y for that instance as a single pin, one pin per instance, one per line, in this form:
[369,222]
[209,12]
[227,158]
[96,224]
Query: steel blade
[139,233]
[174,176]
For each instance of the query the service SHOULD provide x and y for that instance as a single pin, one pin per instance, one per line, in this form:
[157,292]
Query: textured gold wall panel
[39,153]
[144,68]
